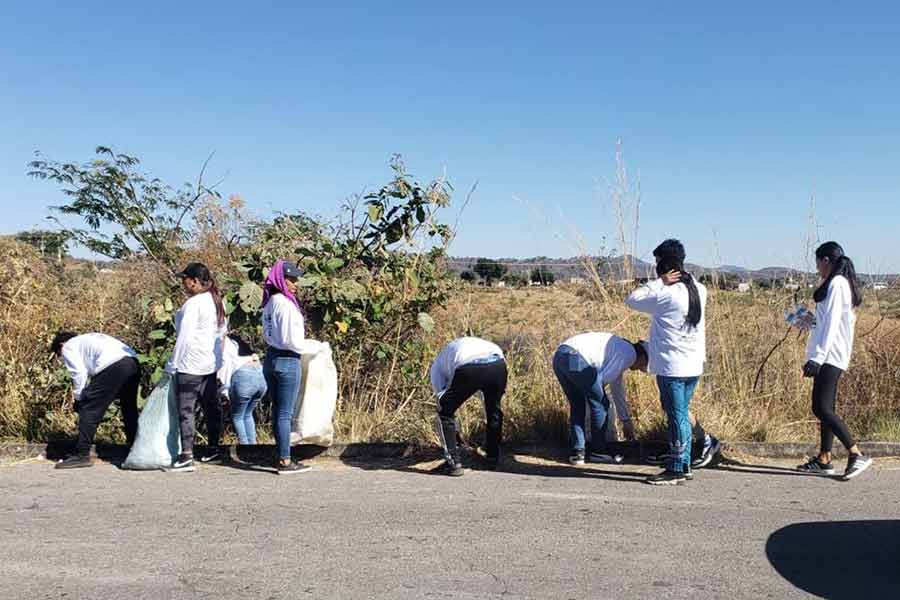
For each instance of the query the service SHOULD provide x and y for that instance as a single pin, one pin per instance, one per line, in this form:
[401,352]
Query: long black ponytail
[841,265]
[695,307]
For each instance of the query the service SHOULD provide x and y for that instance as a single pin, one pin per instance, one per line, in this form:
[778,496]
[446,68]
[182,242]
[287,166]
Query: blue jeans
[248,386]
[579,383]
[283,376]
[675,395]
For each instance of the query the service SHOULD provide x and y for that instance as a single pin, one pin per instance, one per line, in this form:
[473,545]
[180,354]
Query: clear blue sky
[733,114]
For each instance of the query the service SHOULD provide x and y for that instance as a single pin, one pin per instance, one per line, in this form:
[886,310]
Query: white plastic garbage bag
[317,398]
[158,439]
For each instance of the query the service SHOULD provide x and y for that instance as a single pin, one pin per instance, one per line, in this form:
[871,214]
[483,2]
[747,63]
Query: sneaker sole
[850,476]
[181,470]
[670,482]
[295,471]
[576,463]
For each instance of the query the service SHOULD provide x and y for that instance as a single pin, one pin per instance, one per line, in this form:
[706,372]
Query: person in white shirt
[243,384]
[585,364]
[828,356]
[200,326]
[283,331]
[102,369]
[463,367]
[705,447]
[676,350]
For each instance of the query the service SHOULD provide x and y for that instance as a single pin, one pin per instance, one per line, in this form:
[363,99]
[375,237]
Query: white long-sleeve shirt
[198,343]
[283,328]
[831,340]
[674,349]
[460,352]
[87,354]
[231,362]
[610,355]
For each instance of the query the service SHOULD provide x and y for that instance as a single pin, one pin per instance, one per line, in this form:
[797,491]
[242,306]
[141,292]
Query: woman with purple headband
[283,331]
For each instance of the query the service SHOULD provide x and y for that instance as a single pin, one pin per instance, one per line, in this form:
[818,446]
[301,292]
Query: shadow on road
[736,466]
[839,559]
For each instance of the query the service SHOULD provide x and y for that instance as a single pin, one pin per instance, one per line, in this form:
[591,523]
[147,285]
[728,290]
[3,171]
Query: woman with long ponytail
[676,351]
[200,326]
[828,356]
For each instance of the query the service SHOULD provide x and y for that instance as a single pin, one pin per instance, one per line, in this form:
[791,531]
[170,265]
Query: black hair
[244,347]
[201,273]
[640,350]
[841,265]
[673,263]
[59,339]
[670,247]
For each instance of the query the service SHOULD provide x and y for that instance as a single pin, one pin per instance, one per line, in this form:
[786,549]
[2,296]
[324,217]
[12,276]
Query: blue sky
[733,115]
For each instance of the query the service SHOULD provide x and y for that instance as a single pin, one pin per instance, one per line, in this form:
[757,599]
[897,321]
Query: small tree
[543,276]
[489,270]
[468,276]
[49,243]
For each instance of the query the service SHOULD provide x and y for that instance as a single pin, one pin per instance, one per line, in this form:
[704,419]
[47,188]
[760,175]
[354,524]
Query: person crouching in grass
[465,366]
[584,364]
[102,369]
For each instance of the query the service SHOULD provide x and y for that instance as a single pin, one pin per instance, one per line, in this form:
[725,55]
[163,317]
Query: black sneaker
[448,468]
[657,459]
[212,456]
[606,459]
[182,464]
[576,457]
[291,468]
[814,467]
[667,477]
[856,464]
[711,448]
[76,461]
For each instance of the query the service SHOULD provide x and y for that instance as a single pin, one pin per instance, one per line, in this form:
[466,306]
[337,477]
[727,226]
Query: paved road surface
[388,530]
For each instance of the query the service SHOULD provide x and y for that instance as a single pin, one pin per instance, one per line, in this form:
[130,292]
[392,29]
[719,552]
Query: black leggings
[824,396]
[489,378]
[118,380]
[189,389]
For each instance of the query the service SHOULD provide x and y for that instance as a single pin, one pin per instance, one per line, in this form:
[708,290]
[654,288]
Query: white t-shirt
[87,354]
[675,349]
[831,340]
[610,355]
[231,362]
[283,327]
[198,345]
[459,352]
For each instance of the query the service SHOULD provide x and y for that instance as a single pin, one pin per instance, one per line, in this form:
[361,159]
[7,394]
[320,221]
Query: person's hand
[671,277]
[628,430]
[811,369]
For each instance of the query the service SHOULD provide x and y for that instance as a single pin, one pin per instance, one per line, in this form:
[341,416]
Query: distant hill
[613,268]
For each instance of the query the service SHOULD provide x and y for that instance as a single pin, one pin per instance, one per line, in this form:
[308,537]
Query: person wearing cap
[102,369]
[463,367]
[199,326]
[283,331]
[585,364]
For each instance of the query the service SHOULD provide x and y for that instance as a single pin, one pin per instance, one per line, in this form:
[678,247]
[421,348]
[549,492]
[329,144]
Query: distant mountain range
[573,267]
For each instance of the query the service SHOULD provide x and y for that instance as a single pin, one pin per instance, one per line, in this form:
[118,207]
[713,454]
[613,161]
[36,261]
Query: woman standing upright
[199,327]
[283,331]
[828,356]
[676,303]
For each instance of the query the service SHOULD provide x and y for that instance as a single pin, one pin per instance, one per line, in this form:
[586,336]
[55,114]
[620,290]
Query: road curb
[11,452]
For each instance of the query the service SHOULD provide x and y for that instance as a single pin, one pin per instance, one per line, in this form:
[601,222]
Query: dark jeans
[189,389]
[489,379]
[118,380]
[824,397]
[578,380]
[284,374]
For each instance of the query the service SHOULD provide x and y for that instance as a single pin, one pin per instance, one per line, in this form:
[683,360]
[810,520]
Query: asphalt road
[389,530]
